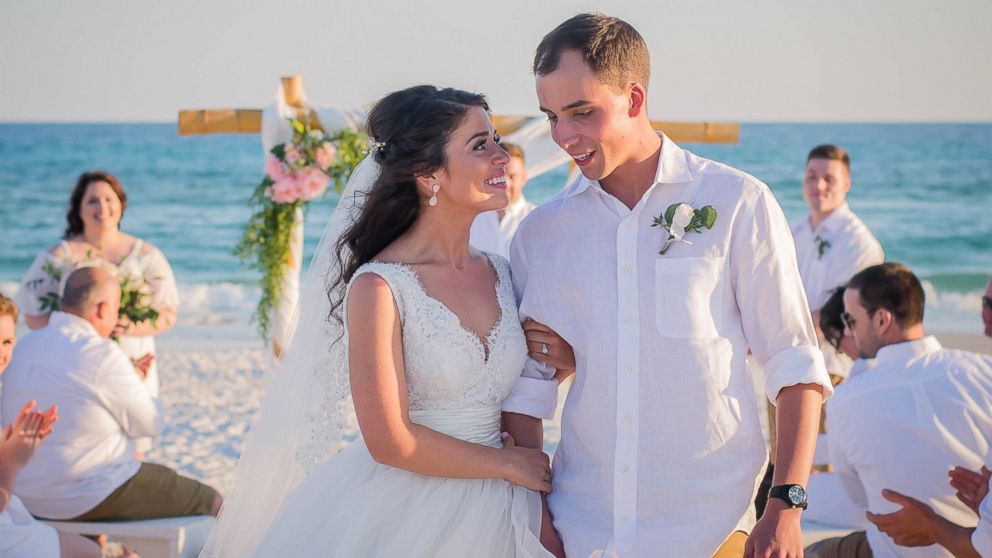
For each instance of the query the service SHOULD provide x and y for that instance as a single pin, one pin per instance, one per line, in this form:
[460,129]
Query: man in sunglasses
[904,423]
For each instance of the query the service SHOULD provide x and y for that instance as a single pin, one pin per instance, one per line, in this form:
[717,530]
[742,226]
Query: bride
[400,318]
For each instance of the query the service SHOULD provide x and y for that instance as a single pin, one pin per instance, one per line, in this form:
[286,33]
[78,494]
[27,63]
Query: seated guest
[832,243]
[916,524]
[835,333]
[21,535]
[917,412]
[987,309]
[86,470]
[492,231]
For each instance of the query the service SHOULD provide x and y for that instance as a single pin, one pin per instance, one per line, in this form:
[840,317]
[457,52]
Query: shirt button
[626,468]
[627,319]
[627,269]
[628,419]
[628,370]
[625,518]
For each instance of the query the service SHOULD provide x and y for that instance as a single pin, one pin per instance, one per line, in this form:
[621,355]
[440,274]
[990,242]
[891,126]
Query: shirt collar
[518,205]
[673,168]
[907,350]
[72,321]
[833,221]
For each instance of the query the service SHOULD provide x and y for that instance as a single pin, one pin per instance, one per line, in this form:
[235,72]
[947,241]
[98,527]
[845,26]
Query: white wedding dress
[352,506]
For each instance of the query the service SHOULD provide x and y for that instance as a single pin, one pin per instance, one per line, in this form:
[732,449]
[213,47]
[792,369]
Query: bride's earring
[433,201]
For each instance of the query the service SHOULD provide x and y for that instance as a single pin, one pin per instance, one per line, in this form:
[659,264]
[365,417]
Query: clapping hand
[971,487]
[143,364]
[21,437]
[913,525]
[546,346]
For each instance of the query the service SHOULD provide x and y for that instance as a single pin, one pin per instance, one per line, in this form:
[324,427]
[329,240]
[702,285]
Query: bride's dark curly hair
[413,127]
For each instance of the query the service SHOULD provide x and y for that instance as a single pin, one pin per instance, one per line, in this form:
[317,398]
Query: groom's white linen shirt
[852,248]
[103,406]
[491,234]
[661,450]
[903,424]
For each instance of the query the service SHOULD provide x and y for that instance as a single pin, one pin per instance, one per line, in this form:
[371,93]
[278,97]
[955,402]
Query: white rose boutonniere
[681,218]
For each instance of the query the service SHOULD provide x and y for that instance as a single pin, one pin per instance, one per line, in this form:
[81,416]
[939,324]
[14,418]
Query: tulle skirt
[352,506]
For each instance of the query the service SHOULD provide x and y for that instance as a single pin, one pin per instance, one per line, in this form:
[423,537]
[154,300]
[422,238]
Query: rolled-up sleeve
[774,312]
[536,391]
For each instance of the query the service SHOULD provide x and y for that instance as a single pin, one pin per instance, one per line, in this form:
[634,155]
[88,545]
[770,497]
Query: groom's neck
[632,178]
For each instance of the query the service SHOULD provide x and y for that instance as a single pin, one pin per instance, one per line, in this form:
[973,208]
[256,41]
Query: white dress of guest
[904,424]
[491,234]
[829,255]
[661,447]
[23,536]
[142,261]
[353,506]
[103,407]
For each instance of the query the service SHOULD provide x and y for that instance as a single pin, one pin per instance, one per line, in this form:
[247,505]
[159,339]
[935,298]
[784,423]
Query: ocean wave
[230,306]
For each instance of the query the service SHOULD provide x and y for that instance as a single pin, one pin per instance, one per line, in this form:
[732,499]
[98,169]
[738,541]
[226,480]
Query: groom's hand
[777,534]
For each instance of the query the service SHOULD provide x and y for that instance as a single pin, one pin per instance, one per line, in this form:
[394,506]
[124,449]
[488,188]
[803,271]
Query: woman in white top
[93,236]
[21,535]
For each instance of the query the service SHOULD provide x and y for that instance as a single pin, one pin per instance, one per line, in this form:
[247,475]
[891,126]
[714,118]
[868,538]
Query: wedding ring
[545,348]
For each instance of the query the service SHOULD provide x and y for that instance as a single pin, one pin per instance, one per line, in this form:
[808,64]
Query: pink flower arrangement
[296,176]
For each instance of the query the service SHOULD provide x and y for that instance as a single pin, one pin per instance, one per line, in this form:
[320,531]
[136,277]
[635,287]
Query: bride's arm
[378,386]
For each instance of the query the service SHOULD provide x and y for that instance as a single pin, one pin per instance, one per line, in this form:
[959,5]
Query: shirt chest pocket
[688,297]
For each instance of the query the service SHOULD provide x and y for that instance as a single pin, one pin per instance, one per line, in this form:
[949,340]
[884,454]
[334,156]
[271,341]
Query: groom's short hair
[614,51]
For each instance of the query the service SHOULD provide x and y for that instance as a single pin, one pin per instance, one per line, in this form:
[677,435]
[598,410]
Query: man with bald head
[86,470]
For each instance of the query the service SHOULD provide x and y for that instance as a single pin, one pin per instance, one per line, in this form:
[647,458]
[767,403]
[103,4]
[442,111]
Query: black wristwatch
[792,494]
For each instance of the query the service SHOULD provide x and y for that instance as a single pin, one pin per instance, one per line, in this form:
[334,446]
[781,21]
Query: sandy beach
[210,397]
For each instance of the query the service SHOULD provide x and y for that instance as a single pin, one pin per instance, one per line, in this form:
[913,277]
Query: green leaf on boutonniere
[707,216]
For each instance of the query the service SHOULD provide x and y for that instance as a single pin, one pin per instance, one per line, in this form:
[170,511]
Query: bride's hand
[527,467]
[544,345]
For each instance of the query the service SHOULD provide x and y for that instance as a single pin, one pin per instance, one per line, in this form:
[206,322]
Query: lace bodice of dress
[446,364]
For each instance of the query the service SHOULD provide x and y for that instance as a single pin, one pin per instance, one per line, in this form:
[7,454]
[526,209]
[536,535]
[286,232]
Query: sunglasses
[987,301]
[848,320]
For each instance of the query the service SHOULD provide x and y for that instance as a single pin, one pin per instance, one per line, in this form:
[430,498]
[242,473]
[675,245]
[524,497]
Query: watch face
[797,495]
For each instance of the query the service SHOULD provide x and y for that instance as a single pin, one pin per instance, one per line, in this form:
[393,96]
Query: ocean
[925,190]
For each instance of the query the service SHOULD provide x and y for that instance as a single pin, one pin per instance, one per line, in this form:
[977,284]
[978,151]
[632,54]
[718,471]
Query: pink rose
[285,190]
[314,184]
[273,167]
[325,154]
[292,155]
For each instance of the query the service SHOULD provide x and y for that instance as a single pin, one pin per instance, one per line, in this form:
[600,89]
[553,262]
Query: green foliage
[265,242]
[352,146]
[134,301]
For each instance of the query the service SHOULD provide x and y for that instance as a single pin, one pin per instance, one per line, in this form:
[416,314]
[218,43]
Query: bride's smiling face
[475,174]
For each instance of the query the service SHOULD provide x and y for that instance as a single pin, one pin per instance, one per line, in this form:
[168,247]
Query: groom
[662,270]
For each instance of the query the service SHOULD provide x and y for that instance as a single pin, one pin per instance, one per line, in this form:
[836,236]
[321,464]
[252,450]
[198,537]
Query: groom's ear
[638,98]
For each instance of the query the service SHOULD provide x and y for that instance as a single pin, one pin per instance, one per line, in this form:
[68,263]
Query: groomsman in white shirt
[492,231]
[661,269]
[903,424]
[86,470]
[832,243]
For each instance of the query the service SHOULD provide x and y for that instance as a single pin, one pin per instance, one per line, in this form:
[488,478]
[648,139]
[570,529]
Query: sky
[754,61]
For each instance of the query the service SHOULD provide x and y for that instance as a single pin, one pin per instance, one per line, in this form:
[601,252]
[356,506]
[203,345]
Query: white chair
[171,537]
